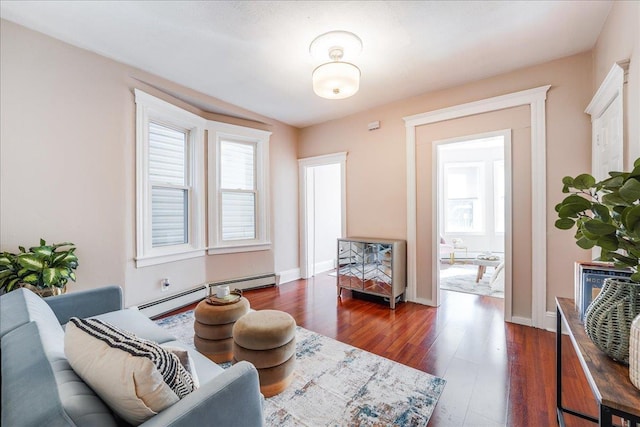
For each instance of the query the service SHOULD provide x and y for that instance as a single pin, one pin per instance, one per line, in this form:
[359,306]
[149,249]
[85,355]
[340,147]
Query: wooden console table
[609,380]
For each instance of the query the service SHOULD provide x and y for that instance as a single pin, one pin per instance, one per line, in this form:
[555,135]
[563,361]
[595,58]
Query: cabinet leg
[339,292]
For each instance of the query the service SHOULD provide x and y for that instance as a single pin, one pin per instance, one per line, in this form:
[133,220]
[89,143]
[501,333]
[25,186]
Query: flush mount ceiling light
[336,79]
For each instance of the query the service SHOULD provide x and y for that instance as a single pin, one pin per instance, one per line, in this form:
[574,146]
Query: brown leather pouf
[267,338]
[214,326]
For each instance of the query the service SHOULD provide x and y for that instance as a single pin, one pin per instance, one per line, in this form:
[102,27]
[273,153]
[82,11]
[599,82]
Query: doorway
[322,211]
[472,214]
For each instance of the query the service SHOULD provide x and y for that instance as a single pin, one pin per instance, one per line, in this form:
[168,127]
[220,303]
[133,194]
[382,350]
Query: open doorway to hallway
[322,200]
[471,213]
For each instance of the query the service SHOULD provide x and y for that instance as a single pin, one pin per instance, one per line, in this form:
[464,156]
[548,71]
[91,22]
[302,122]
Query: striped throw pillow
[137,378]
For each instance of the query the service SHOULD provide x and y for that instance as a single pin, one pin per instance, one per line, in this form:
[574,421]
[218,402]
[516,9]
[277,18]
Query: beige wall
[67,159]
[620,40]
[376,163]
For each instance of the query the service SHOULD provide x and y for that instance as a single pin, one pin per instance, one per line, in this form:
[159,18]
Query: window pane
[238,216]
[463,215]
[464,192]
[169,210]
[462,181]
[167,155]
[498,188]
[237,166]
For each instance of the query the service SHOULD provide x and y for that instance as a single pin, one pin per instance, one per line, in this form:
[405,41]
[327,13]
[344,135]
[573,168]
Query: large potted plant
[606,214]
[44,269]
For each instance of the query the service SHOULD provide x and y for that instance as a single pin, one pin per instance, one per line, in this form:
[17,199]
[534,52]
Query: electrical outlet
[164,285]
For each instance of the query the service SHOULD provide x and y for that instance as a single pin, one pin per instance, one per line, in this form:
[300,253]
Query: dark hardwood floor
[497,373]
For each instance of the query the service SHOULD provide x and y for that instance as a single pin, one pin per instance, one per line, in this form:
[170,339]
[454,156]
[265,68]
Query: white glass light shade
[336,80]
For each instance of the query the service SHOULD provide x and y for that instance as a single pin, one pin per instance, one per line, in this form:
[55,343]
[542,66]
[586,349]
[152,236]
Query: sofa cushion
[22,306]
[38,392]
[137,378]
[134,321]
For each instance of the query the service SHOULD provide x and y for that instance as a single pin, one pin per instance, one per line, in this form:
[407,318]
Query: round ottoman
[213,328]
[267,338]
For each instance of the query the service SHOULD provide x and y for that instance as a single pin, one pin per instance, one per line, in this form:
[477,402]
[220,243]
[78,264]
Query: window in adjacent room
[464,197]
[238,174]
[498,195]
[170,178]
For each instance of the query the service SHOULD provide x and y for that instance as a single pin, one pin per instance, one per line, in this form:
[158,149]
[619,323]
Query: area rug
[336,384]
[462,278]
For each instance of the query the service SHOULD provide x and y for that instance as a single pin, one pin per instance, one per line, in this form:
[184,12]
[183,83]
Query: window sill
[162,259]
[240,248]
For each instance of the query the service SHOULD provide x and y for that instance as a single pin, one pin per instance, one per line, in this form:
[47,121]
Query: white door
[607,141]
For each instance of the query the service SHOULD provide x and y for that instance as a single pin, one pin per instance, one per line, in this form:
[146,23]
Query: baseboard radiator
[244,283]
[181,299]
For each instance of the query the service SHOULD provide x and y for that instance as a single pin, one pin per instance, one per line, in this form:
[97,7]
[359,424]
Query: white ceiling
[255,54]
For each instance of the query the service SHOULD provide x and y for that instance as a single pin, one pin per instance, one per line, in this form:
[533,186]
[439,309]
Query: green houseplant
[45,269]
[606,214]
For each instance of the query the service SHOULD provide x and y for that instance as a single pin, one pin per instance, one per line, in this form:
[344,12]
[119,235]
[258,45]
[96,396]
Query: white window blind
[238,190]
[169,189]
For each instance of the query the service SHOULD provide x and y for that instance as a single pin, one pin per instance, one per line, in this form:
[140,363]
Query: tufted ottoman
[213,328]
[267,338]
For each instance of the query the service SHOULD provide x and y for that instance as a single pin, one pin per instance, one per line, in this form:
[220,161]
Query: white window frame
[150,108]
[217,132]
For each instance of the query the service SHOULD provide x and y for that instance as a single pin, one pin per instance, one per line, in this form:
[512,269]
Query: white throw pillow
[136,378]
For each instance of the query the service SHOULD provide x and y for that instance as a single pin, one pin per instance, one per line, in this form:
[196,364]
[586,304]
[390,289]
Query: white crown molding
[611,87]
[477,107]
[535,98]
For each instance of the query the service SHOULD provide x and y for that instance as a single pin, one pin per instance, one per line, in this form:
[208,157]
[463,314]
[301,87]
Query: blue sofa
[39,387]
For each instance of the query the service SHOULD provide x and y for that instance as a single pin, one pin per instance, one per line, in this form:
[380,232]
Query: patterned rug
[336,384]
[462,278]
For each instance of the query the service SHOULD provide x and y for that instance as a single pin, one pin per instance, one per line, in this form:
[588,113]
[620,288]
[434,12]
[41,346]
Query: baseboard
[422,301]
[251,282]
[289,276]
[323,266]
[178,300]
[173,302]
[525,321]
[550,322]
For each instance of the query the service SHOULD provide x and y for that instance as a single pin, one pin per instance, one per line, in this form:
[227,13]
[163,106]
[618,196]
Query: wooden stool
[214,326]
[267,338]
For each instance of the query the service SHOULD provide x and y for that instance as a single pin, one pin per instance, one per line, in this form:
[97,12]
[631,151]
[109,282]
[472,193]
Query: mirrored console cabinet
[372,266]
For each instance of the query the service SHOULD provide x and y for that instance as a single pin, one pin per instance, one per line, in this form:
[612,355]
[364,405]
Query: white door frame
[535,98]
[508,231]
[303,165]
